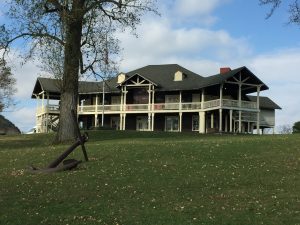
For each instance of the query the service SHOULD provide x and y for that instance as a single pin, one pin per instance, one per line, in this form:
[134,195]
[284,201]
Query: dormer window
[121,78]
[179,76]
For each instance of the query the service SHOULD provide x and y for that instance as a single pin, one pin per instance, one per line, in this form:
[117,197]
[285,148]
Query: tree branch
[41,35]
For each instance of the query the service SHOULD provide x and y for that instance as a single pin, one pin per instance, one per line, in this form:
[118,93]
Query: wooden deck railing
[156,107]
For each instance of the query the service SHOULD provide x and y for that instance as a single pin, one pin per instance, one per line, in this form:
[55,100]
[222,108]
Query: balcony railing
[156,107]
[235,104]
[48,109]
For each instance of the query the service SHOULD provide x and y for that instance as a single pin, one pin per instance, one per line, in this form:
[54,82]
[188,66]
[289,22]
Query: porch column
[202,99]
[149,100]
[240,121]
[149,122]
[230,121]
[121,121]
[221,95]
[153,92]
[226,123]
[152,122]
[122,103]
[180,101]
[124,121]
[96,120]
[258,111]
[211,120]
[124,100]
[124,109]
[96,112]
[240,105]
[202,122]
[220,120]
[180,122]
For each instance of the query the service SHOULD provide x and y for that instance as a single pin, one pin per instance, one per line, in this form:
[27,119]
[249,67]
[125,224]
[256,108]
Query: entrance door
[115,122]
[142,123]
[172,123]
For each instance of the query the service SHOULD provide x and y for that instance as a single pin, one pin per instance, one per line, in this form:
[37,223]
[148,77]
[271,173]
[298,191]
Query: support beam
[180,122]
[149,100]
[121,121]
[202,122]
[152,122]
[240,121]
[124,121]
[258,110]
[149,124]
[211,120]
[202,98]
[180,101]
[221,95]
[153,97]
[220,120]
[226,123]
[96,121]
[122,101]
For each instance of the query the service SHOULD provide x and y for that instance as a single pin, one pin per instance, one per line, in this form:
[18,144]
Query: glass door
[142,123]
[172,123]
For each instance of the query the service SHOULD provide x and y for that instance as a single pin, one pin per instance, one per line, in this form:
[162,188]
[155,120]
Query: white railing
[136,107]
[166,106]
[211,104]
[185,106]
[48,109]
[191,106]
[230,103]
[249,105]
[235,104]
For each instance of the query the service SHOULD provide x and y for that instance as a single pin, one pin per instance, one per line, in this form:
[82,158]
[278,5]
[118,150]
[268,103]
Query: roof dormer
[179,76]
[121,78]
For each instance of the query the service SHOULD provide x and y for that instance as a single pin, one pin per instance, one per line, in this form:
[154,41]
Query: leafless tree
[7,86]
[293,9]
[83,31]
[285,129]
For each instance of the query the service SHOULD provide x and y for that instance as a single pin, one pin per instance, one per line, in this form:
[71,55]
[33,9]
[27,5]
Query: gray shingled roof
[161,75]
[52,86]
[264,102]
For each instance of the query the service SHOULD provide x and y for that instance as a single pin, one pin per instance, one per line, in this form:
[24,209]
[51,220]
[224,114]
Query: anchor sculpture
[67,164]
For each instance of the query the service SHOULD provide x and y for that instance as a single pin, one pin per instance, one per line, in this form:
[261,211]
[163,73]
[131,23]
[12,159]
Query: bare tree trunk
[69,92]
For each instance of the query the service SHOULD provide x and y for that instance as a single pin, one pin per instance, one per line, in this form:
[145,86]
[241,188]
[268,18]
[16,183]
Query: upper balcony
[157,107]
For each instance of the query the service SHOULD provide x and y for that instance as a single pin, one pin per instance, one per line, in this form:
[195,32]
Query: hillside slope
[7,127]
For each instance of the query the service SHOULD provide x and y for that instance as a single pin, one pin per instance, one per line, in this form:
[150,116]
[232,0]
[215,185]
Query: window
[172,99]
[195,123]
[115,100]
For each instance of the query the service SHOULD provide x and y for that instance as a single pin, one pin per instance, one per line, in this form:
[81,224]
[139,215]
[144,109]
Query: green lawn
[154,178]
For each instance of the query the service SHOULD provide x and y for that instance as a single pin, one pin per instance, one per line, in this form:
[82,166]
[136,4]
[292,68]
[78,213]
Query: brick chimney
[224,70]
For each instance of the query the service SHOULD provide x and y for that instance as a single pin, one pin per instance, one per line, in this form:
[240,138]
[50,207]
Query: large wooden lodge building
[164,98]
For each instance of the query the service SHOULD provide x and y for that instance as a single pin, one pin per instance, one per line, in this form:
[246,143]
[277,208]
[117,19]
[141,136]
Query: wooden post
[220,120]
[258,111]
[202,122]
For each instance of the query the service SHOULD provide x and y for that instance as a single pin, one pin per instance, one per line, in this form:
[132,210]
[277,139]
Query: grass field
[154,178]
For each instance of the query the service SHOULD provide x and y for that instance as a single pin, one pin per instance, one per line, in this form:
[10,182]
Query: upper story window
[171,98]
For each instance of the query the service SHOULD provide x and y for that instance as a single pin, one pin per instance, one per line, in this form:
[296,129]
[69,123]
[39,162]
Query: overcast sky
[201,35]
